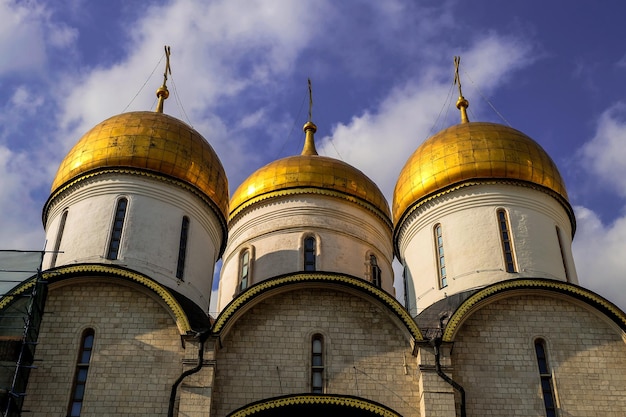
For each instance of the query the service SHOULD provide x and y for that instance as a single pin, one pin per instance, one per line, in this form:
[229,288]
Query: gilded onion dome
[309,173]
[148,143]
[475,151]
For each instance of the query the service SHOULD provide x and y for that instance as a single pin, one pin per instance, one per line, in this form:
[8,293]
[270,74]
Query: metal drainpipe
[436,342]
[202,337]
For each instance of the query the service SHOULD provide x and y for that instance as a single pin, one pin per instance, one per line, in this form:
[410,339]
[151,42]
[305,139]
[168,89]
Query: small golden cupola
[471,152]
[150,143]
[147,143]
[476,204]
[309,173]
[310,206]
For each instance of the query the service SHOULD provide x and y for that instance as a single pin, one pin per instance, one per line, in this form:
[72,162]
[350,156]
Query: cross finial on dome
[309,128]
[162,92]
[461,104]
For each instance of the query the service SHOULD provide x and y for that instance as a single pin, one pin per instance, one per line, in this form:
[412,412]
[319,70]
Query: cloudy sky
[382,76]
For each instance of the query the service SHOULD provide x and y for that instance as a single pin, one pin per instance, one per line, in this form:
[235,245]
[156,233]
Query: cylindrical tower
[306,213]
[142,191]
[476,204]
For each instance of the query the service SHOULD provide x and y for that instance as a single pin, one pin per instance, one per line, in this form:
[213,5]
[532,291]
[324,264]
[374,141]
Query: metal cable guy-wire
[144,84]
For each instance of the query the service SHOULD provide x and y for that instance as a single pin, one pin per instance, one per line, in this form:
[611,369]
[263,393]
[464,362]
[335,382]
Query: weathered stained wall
[494,359]
[267,352]
[136,357]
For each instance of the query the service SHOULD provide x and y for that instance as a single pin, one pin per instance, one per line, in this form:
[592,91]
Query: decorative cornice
[318,277]
[110,271]
[580,293]
[235,213]
[142,173]
[309,399]
[399,227]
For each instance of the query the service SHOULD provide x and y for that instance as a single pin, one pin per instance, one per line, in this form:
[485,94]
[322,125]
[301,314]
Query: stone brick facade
[494,359]
[137,352]
[267,353]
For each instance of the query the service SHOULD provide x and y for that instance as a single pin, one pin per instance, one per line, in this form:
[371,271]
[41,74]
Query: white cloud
[605,154]
[379,142]
[25,100]
[26,34]
[18,207]
[599,254]
[220,50]
[598,247]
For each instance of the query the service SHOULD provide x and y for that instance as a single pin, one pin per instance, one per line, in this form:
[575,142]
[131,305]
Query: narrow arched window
[507,246]
[310,248]
[80,376]
[441,260]
[375,271]
[547,386]
[116,232]
[182,248]
[244,269]
[560,239]
[405,280]
[57,242]
[317,364]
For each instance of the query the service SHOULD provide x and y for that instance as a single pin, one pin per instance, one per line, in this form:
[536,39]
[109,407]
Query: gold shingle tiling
[307,171]
[473,151]
[151,141]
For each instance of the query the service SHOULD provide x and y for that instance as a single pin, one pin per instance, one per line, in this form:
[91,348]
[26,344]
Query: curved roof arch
[289,282]
[545,286]
[298,404]
[176,309]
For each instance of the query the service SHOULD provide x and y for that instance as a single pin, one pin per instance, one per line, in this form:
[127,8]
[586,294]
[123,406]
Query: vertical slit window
[317,364]
[558,235]
[545,374]
[116,232]
[244,275]
[182,248]
[375,271]
[80,376]
[57,243]
[441,260]
[507,246]
[309,253]
[405,280]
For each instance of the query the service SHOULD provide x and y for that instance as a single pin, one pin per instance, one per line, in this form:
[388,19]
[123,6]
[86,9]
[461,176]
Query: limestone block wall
[436,395]
[137,352]
[267,353]
[494,359]
[194,392]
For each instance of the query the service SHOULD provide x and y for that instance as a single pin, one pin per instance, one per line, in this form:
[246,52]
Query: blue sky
[382,74]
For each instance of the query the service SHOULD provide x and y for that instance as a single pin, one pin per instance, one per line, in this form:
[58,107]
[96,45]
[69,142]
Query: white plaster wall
[151,232]
[472,243]
[274,231]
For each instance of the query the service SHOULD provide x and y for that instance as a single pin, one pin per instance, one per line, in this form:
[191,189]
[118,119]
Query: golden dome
[469,151]
[150,142]
[308,173]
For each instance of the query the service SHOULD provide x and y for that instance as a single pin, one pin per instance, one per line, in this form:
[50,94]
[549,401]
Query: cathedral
[492,321]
